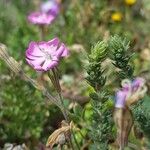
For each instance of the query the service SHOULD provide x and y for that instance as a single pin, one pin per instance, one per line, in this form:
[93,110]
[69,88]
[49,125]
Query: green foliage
[98,52]
[142,115]
[120,54]
[22,116]
[95,73]
[16,32]
[101,128]
[102,116]
[95,77]
[82,22]
[101,131]
[118,45]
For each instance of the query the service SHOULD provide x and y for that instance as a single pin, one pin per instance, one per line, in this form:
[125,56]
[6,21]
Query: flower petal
[53,64]
[65,52]
[41,18]
[29,62]
[43,46]
[50,7]
[34,50]
[36,62]
[34,17]
[31,57]
[49,65]
[38,68]
[53,44]
[120,99]
[55,58]
[137,83]
[60,50]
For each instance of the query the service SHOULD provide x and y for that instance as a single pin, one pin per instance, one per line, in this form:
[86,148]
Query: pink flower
[47,14]
[51,7]
[120,97]
[137,83]
[41,18]
[129,89]
[43,56]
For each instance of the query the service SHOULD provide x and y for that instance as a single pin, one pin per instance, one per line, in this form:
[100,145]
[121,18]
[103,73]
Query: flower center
[46,55]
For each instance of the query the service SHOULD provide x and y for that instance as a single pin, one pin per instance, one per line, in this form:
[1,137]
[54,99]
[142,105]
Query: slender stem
[42,33]
[71,144]
[56,84]
[68,120]
[55,80]
[52,79]
[75,140]
[58,88]
[56,77]
[63,108]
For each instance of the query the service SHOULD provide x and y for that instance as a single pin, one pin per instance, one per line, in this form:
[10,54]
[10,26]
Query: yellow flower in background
[130,2]
[116,16]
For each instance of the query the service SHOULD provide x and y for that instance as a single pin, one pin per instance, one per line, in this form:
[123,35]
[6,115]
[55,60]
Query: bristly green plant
[121,56]
[117,49]
[101,127]
[26,117]
[95,72]
[142,115]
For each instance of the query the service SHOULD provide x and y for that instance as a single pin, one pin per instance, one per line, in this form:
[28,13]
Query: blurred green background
[80,24]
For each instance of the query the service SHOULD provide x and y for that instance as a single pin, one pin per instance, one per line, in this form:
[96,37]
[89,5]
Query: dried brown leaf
[59,136]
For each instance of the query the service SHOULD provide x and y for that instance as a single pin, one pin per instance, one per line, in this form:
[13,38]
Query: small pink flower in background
[47,14]
[129,89]
[51,7]
[120,98]
[40,18]
[43,56]
[137,83]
